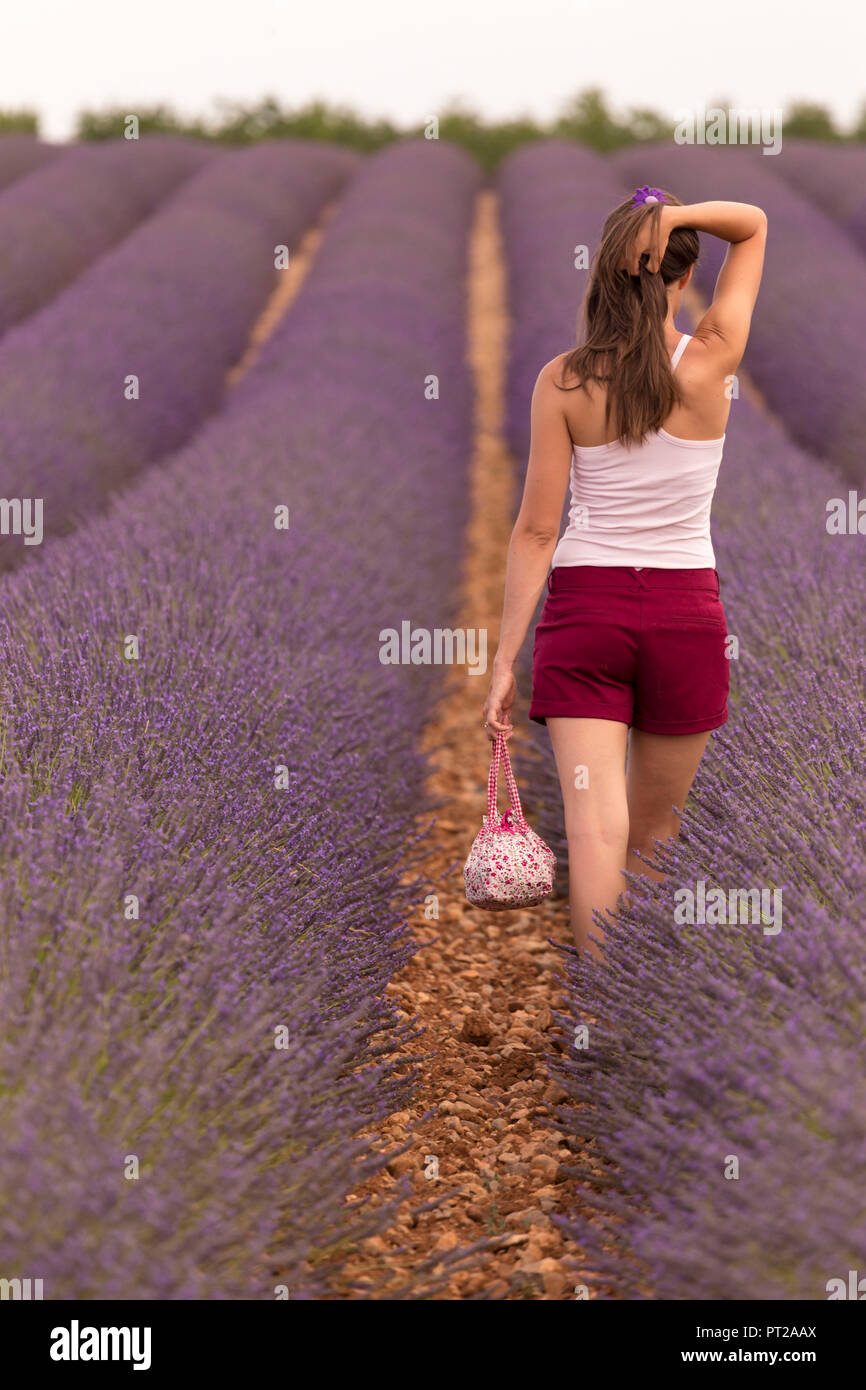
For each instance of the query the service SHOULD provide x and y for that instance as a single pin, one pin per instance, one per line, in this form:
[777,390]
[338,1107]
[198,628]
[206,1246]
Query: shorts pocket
[701,609]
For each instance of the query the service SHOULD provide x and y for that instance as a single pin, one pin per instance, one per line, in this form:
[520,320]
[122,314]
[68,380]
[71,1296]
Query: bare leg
[590,760]
[661,769]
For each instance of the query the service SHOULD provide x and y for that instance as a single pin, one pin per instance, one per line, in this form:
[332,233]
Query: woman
[630,650]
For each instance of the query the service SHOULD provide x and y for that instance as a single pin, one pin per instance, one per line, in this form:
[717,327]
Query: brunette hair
[623,315]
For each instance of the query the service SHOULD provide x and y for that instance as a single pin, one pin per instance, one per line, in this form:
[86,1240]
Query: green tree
[315,121]
[19,122]
[109,124]
[488,142]
[587,118]
[859,130]
[808,120]
[645,124]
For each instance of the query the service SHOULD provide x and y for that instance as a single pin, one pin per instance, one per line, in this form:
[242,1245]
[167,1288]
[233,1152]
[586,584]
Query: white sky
[405,59]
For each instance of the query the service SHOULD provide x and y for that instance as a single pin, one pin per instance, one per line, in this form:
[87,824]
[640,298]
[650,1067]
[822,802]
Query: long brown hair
[623,316]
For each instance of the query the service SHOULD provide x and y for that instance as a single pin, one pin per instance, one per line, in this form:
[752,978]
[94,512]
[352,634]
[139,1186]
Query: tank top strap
[679,350]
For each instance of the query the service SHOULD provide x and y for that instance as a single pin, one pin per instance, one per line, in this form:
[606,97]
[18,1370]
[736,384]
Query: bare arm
[724,328]
[533,539]
[726,323]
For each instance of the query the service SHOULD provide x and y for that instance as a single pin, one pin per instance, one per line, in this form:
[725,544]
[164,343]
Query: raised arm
[725,325]
[724,328]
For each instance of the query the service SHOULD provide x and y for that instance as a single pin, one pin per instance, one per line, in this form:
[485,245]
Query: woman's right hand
[499,702]
[651,239]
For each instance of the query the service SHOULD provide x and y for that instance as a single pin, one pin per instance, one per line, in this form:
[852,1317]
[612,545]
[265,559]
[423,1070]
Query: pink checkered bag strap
[500,751]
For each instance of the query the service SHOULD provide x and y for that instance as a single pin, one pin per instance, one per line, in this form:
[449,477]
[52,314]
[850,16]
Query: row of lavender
[61,218]
[131,357]
[830,176]
[23,154]
[718,1114]
[210,784]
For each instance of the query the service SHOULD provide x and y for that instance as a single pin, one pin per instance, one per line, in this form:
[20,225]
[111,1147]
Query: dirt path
[483,983]
[288,283]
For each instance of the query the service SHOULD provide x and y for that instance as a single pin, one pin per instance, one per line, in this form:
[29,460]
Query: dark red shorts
[643,646]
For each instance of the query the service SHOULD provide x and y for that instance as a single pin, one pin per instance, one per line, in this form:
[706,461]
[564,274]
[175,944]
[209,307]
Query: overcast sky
[405,58]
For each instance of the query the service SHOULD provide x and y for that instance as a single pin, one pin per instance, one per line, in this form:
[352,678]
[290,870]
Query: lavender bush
[831,177]
[61,218]
[734,1041]
[171,306]
[805,349]
[252,778]
[21,154]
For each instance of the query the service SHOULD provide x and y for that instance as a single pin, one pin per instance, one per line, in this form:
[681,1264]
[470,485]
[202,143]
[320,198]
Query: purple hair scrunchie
[648,195]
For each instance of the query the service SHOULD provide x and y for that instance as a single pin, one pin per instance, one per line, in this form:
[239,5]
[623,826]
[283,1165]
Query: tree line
[587,118]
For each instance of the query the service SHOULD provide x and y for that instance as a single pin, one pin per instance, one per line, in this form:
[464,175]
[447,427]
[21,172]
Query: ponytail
[624,316]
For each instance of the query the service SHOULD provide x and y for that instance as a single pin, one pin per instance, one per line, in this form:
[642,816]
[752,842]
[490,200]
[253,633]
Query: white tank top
[644,506]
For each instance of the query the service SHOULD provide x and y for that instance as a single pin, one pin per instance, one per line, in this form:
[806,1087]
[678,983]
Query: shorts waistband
[629,578]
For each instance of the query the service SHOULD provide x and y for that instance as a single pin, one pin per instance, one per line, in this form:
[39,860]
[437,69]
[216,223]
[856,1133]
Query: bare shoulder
[553,374]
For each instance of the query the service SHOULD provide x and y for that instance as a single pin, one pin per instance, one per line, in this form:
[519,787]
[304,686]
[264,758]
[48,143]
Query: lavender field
[123,365]
[63,217]
[216,818]
[23,154]
[832,177]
